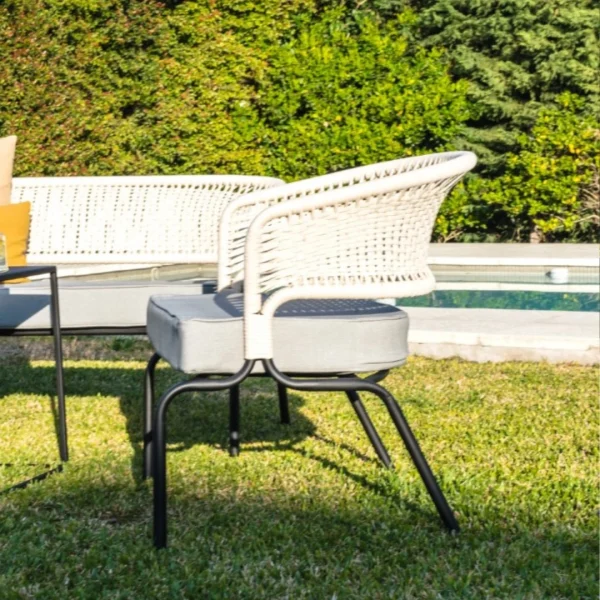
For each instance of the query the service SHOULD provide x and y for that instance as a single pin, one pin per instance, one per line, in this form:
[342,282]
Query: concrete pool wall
[473,334]
[496,335]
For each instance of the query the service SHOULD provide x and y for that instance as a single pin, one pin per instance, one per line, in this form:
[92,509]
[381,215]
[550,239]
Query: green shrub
[518,57]
[549,191]
[335,99]
[462,219]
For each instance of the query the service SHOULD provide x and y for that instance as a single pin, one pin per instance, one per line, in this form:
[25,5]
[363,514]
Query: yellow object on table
[14,227]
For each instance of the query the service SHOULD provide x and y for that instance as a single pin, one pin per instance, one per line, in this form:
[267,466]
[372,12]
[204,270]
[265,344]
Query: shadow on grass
[252,546]
[196,418]
[380,540]
[193,418]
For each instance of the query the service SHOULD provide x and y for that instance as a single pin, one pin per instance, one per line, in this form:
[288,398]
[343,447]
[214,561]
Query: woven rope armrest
[366,240]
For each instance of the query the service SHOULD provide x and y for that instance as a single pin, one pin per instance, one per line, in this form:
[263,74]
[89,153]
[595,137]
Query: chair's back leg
[369,428]
[284,407]
[418,459]
[367,385]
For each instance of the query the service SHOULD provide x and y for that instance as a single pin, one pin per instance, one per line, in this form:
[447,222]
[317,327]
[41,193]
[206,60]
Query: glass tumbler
[3,254]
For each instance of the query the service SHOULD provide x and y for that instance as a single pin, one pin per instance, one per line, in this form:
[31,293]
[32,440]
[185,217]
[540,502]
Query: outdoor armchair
[300,269]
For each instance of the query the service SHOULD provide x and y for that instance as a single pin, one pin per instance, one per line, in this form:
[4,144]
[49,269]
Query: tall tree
[518,56]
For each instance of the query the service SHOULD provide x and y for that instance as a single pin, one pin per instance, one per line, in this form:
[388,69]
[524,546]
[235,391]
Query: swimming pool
[517,300]
[572,287]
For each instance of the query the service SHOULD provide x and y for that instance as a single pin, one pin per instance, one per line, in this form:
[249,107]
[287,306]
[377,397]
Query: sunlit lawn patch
[306,511]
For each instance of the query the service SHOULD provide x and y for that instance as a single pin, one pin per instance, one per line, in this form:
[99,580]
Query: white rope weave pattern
[240,213]
[147,219]
[361,234]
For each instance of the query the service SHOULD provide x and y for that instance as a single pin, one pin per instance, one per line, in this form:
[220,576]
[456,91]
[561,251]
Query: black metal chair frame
[155,425]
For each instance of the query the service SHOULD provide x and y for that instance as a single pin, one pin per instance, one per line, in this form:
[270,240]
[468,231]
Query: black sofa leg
[148,406]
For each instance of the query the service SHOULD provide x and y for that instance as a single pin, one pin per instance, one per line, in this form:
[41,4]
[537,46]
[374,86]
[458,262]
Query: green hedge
[122,87]
[119,88]
[295,88]
[136,87]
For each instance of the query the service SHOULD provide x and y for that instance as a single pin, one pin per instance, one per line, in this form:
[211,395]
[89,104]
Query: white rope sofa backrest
[129,219]
[366,240]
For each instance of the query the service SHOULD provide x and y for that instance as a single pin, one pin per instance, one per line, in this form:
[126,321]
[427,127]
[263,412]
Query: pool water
[471,276]
[517,300]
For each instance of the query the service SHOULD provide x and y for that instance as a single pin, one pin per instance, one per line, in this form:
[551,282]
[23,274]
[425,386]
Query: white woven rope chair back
[358,234]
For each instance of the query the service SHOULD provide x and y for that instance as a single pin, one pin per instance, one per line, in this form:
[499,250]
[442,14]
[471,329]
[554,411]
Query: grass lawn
[305,511]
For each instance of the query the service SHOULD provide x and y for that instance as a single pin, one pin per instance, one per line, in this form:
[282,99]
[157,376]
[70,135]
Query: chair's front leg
[159,463]
[159,439]
[148,404]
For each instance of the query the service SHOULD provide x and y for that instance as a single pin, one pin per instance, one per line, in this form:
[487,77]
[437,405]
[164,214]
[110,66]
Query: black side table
[29,271]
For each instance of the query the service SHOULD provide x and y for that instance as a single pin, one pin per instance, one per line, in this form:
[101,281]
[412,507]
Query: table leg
[60,386]
[60,390]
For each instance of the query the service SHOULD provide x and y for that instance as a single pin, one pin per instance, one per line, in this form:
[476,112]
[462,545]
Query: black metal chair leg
[368,385]
[369,428]
[418,459]
[159,441]
[148,404]
[159,464]
[234,420]
[284,406]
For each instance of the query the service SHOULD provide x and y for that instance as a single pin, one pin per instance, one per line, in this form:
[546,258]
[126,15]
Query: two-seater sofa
[81,222]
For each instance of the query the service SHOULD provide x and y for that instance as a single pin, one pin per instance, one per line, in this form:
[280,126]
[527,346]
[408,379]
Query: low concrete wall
[498,335]
[569,255]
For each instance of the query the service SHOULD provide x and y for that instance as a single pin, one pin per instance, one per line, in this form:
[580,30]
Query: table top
[174,273]
[26,271]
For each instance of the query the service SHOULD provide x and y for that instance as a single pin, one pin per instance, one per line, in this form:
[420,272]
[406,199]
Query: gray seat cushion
[204,334]
[83,305]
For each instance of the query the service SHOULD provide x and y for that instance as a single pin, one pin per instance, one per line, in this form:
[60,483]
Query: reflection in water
[517,300]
